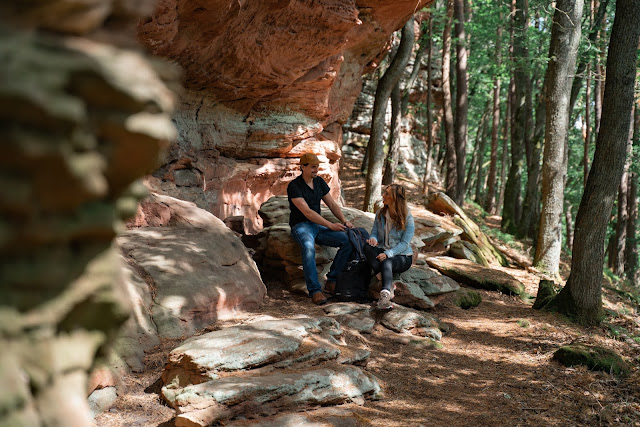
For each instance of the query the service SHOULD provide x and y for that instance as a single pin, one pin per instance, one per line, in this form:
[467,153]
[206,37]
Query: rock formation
[184,270]
[264,82]
[82,117]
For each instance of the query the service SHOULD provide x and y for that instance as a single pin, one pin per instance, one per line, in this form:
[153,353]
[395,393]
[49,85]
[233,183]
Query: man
[309,227]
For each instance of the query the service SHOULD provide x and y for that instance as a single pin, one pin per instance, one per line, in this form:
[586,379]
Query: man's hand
[348,224]
[335,226]
[381,257]
[372,242]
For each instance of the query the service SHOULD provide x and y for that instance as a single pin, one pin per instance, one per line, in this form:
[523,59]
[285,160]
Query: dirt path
[494,367]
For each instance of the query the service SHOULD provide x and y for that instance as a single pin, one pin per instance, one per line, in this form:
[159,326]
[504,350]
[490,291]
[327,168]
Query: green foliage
[523,323]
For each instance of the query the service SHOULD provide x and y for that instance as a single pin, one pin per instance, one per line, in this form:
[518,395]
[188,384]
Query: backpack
[353,283]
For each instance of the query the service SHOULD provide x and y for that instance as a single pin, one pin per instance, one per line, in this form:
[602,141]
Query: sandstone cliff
[263,82]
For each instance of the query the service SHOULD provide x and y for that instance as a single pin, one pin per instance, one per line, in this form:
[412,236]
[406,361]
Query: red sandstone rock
[265,81]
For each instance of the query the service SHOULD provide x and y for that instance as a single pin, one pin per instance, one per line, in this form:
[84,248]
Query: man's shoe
[318,298]
[330,287]
[384,302]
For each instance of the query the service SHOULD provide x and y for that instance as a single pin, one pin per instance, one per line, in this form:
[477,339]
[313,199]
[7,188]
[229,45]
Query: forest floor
[494,367]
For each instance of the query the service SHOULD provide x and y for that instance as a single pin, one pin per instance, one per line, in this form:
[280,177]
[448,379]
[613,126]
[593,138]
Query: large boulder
[262,368]
[183,273]
[477,276]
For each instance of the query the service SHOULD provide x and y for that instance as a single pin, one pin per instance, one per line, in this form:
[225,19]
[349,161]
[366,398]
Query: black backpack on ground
[353,283]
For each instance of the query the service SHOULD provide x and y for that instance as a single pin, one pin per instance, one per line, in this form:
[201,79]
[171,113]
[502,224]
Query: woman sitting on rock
[388,250]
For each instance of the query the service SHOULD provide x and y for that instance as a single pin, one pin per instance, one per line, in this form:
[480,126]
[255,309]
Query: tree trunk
[581,297]
[621,224]
[385,86]
[587,130]
[531,205]
[391,163]
[563,50]
[490,199]
[429,165]
[631,250]
[461,119]
[569,223]
[480,148]
[593,35]
[505,147]
[512,209]
[451,180]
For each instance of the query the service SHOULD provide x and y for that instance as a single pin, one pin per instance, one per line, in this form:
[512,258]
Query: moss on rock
[467,299]
[594,357]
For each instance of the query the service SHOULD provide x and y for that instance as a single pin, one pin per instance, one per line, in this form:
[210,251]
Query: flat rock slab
[263,367]
[218,400]
[477,276]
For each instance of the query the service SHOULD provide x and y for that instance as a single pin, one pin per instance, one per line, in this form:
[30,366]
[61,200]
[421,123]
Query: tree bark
[621,224]
[568,218]
[512,208]
[429,165]
[531,205]
[581,297]
[391,163]
[461,119]
[451,180]
[587,130]
[490,199]
[631,250]
[385,86]
[481,138]
[505,146]
[563,50]
[593,35]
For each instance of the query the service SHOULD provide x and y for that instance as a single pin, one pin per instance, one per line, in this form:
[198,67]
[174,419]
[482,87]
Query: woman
[388,250]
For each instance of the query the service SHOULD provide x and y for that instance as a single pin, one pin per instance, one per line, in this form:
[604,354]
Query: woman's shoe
[384,302]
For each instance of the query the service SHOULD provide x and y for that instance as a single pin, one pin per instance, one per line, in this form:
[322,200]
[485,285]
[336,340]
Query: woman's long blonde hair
[397,208]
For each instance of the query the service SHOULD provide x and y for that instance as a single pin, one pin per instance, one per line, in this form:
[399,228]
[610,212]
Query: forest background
[532,112]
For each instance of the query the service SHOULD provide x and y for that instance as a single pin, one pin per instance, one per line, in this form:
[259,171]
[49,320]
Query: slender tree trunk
[385,86]
[461,119]
[587,125]
[631,248]
[427,169]
[531,205]
[490,199]
[512,201]
[505,147]
[621,224]
[391,163]
[563,50]
[581,297]
[480,144]
[451,181]
[568,218]
[593,35]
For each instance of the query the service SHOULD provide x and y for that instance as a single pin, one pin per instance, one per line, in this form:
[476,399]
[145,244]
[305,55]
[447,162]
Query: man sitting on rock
[309,227]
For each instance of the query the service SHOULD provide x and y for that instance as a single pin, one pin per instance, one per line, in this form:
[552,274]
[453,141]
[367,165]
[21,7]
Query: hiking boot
[318,298]
[330,287]
[384,302]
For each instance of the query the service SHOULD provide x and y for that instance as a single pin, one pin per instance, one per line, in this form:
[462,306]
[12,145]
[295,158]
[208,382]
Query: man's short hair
[309,159]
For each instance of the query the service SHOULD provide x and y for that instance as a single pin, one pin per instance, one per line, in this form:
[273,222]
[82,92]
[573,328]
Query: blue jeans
[307,234]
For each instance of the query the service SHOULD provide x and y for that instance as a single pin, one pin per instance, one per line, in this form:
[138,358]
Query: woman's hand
[381,257]
[372,242]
